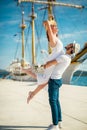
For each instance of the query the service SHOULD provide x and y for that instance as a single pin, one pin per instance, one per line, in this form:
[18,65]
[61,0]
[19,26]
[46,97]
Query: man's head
[72,48]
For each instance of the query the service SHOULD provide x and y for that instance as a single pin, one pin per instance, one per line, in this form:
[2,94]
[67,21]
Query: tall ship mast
[23,26]
[33,16]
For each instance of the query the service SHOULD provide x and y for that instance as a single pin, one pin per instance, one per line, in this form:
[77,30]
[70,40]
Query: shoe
[53,127]
[60,124]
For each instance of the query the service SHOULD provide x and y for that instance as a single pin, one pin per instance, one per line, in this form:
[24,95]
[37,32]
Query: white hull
[67,76]
[17,74]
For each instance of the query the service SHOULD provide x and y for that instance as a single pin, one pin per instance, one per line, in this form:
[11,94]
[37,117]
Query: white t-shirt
[63,62]
[56,51]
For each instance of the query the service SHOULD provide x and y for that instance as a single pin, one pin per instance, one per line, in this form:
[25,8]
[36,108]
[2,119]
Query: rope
[26,40]
[39,36]
[78,76]
[15,56]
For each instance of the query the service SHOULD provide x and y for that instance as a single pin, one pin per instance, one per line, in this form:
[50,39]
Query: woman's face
[54,29]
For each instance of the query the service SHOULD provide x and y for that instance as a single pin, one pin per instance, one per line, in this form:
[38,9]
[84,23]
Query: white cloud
[67,35]
[11,22]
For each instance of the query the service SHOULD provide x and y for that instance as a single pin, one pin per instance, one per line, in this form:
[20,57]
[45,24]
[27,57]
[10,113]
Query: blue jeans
[53,91]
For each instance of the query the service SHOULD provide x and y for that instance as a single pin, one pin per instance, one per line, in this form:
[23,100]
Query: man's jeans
[53,91]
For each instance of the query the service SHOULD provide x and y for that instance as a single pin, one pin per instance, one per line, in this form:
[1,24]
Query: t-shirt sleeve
[60,59]
[63,58]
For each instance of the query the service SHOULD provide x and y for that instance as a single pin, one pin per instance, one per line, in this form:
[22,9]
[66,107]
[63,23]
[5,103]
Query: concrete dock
[16,114]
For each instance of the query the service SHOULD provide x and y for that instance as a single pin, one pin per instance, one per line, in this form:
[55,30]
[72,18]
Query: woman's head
[54,28]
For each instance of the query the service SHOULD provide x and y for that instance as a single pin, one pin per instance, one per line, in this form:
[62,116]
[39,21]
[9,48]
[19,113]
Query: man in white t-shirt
[55,82]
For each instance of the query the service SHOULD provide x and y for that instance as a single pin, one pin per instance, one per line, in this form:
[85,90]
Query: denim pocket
[55,83]
[58,82]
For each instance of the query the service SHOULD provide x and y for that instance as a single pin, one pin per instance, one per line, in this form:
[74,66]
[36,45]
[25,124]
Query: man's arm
[50,63]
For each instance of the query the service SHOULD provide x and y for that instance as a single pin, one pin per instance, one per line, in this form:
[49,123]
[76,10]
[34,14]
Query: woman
[57,50]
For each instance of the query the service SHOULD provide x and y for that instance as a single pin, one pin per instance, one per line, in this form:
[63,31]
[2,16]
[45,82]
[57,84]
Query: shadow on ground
[4,127]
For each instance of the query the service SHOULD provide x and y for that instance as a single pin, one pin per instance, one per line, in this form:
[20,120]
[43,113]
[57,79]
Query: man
[55,82]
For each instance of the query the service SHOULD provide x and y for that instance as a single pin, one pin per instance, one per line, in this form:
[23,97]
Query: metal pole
[52,3]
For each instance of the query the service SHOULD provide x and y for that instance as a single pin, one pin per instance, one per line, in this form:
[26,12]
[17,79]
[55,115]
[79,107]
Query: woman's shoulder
[59,43]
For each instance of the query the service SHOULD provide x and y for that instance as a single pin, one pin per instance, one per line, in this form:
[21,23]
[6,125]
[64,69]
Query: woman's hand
[46,24]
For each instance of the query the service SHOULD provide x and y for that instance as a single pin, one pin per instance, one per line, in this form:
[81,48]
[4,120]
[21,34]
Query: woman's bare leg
[31,94]
[29,72]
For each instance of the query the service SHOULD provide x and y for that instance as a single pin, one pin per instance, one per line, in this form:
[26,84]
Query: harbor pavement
[16,114]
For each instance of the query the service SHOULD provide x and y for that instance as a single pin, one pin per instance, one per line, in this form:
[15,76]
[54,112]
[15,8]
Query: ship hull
[68,74]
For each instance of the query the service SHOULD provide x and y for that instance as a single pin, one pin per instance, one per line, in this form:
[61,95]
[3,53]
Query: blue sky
[72,24]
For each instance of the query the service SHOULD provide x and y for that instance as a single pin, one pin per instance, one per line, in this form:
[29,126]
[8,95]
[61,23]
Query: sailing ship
[15,67]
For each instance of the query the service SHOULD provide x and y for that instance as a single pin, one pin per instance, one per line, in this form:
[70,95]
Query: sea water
[76,80]
[79,81]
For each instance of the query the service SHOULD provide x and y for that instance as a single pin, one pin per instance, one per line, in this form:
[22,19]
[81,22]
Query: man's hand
[38,69]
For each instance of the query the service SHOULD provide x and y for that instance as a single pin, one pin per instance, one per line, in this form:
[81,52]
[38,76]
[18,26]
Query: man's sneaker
[53,127]
[60,124]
